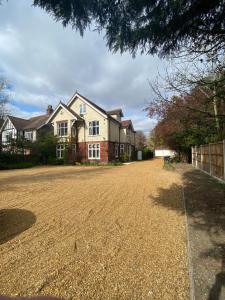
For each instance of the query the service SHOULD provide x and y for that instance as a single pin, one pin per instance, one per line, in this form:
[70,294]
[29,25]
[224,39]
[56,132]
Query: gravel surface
[93,233]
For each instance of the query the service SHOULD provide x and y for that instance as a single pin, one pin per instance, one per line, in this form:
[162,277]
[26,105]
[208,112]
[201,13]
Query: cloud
[45,63]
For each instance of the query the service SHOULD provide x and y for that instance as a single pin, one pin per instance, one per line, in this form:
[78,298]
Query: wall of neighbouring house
[9,127]
[114,134]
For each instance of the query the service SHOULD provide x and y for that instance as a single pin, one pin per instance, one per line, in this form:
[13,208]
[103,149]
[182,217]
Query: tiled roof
[19,123]
[115,112]
[1,122]
[36,122]
[71,111]
[126,123]
[98,107]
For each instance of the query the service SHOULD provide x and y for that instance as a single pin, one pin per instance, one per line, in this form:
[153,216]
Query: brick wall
[106,151]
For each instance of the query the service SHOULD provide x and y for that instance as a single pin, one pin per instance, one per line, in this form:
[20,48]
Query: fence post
[210,162]
[196,155]
[224,160]
[192,158]
[201,156]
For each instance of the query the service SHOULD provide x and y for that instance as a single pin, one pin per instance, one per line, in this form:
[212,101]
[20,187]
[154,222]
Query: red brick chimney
[49,110]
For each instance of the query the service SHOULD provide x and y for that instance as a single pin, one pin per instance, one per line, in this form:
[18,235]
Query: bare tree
[4,98]
[192,77]
[140,139]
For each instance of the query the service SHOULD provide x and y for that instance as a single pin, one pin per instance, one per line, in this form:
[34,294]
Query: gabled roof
[64,106]
[93,105]
[127,124]
[117,111]
[18,123]
[23,124]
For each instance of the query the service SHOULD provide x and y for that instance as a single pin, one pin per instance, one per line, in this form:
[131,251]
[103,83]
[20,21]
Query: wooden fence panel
[210,158]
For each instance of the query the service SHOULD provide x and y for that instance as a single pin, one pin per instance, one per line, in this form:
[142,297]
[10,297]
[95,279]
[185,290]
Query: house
[14,127]
[86,131]
[90,132]
[164,151]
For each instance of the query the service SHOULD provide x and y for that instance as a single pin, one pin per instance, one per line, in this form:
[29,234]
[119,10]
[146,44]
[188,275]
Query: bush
[125,157]
[18,165]
[147,153]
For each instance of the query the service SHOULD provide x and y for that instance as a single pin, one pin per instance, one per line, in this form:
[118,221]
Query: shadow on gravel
[205,205]
[14,222]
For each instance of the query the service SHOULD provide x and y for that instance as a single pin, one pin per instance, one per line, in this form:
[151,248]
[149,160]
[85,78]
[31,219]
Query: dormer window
[82,108]
[62,128]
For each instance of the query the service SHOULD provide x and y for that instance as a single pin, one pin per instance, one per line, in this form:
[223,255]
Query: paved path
[205,202]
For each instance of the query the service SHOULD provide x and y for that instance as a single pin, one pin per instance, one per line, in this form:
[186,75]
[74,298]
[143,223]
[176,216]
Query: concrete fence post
[224,160]
[201,157]
[210,162]
[192,156]
[196,153]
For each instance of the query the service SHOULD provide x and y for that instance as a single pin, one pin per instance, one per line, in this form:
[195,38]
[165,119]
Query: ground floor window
[94,151]
[60,150]
[122,149]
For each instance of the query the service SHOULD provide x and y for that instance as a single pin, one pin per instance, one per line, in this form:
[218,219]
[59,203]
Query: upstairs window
[28,135]
[62,128]
[94,128]
[8,136]
[82,108]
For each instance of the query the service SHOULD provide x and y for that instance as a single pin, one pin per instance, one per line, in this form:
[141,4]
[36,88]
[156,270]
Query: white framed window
[60,148]
[82,108]
[28,135]
[94,151]
[94,128]
[8,136]
[116,150]
[62,128]
[121,148]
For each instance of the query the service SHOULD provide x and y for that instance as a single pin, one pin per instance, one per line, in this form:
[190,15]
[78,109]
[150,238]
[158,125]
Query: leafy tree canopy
[153,26]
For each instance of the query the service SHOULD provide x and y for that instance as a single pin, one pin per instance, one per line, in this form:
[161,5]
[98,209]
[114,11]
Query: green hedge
[18,165]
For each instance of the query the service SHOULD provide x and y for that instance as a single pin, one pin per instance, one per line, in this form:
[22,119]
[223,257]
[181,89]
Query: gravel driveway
[93,232]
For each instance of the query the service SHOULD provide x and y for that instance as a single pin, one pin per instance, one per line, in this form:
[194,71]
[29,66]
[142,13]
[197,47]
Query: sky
[45,63]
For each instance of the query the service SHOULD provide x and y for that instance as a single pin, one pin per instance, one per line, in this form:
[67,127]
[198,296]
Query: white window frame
[93,128]
[82,108]
[94,149]
[122,148]
[60,148]
[62,128]
[28,135]
[8,136]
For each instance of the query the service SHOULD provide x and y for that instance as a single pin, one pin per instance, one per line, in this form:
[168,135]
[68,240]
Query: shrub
[147,153]
[125,157]
[18,165]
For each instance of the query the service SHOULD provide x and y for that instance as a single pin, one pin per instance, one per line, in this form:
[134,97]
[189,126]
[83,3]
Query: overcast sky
[45,63]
